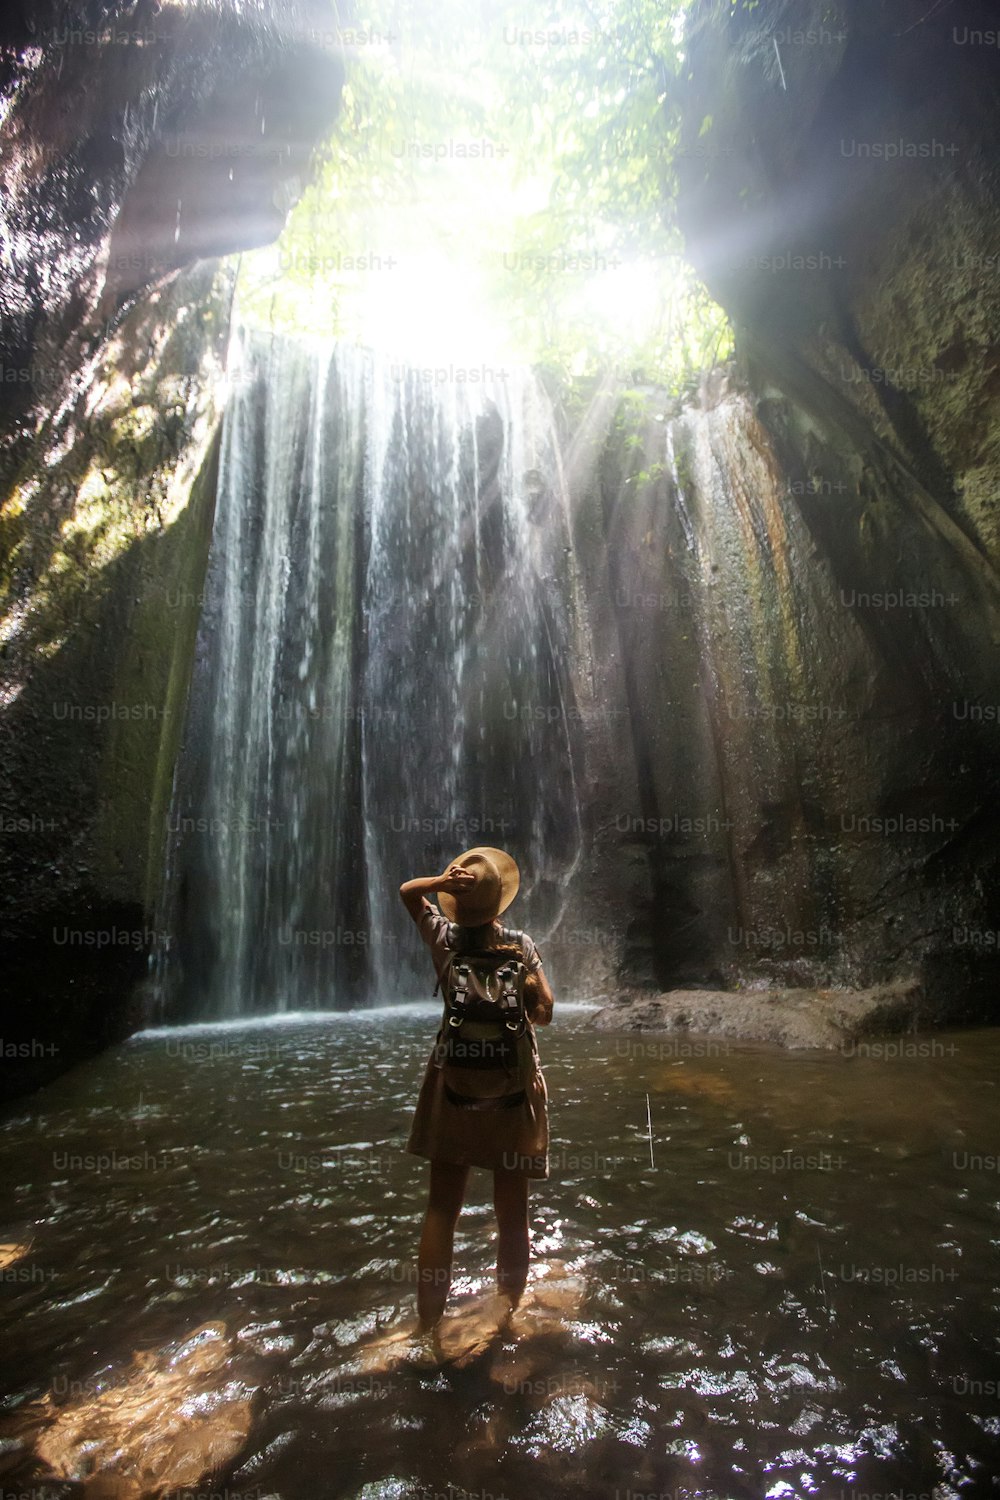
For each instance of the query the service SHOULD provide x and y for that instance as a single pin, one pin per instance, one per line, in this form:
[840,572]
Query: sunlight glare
[627,296]
[431,310]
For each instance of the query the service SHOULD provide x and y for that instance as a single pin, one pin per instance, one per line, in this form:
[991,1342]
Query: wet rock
[795,782]
[794,580]
[792,1018]
[139,142]
[136,141]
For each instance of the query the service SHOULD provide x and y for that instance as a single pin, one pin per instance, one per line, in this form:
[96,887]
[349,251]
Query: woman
[512,1142]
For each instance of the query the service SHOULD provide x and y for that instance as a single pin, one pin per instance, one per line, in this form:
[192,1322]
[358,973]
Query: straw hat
[497,880]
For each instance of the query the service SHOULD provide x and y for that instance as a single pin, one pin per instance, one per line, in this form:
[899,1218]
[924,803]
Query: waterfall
[383,674]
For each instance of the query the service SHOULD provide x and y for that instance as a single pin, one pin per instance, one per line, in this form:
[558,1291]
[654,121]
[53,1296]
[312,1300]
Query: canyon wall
[793,658]
[839,193]
[139,143]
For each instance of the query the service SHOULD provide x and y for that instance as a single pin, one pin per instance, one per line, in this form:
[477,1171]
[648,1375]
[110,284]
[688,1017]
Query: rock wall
[831,692]
[138,144]
[801,796]
[840,192]
[137,138]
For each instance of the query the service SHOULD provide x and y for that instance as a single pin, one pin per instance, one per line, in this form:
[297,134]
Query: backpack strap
[460,995]
[511,1005]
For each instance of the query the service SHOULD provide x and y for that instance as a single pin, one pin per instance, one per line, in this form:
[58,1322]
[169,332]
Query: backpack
[484,1045]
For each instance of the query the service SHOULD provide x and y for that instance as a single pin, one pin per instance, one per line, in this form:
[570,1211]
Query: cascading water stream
[383,674]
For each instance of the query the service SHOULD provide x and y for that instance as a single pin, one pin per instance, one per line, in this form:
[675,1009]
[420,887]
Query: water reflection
[171,1418]
[214,1249]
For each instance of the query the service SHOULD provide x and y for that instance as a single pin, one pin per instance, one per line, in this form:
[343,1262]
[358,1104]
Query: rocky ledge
[792,1018]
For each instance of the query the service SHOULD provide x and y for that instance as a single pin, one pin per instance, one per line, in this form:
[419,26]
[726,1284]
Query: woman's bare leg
[510,1199]
[434,1256]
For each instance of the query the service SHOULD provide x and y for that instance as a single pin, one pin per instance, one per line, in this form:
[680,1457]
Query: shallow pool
[753,1273]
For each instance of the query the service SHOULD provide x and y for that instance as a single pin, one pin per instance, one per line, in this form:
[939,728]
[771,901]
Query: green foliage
[532,155]
[644,477]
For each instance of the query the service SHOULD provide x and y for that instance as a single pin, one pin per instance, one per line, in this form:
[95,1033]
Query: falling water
[383,674]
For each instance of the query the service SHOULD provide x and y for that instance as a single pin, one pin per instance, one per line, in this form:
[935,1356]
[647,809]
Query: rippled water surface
[787,1287]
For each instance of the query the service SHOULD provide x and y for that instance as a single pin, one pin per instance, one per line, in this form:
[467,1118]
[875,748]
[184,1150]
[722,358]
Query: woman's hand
[454,881]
